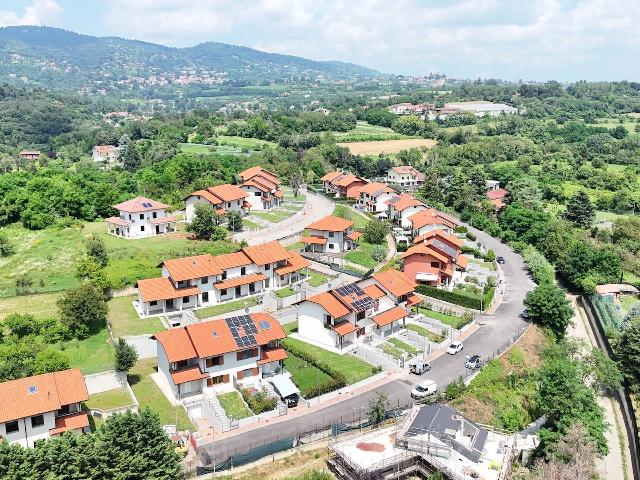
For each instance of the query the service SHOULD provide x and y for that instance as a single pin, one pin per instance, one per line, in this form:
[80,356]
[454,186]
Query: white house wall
[28,435]
[311,324]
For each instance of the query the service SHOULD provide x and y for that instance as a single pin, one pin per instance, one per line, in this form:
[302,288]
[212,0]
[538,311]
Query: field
[367,132]
[125,321]
[109,399]
[233,406]
[227,145]
[386,146]
[304,375]
[40,306]
[91,355]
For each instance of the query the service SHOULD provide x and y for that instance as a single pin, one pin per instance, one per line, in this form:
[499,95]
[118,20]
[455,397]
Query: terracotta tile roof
[498,203]
[231,260]
[188,375]
[438,233]
[402,202]
[227,192]
[161,220]
[260,183]
[257,170]
[497,194]
[273,355]
[462,261]
[279,194]
[105,149]
[76,421]
[161,288]
[30,152]
[391,315]
[294,263]
[344,328]
[376,187]
[374,291]
[208,196]
[395,282]
[236,282]
[50,392]
[139,204]
[452,220]
[270,252]
[188,268]
[423,218]
[346,180]
[331,176]
[331,223]
[425,250]
[409,170]
[221,212]
[354,235]
[314,240]
[330,303]
[118,221]
[214,337]
[413,300]
[176,344]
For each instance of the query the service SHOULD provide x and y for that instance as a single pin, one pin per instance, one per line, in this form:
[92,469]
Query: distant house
[331,235]
[492,185]
[432,219]
[328,179]
[141,217]
[30,154]
[42,406]
[402,207]
[496,198]
[348,186]
[372,197]
[262,187]
[224,198]
[214,356]
[480,108]
[405,176]
[107,154]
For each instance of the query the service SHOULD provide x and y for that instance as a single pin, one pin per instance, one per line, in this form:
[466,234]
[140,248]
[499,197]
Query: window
[12,427]
[185,299]
[214,361]
[245,354]
[224,275]
[37,421]
[331,246]
[361,315]
[205,297]
[155,214]
[153,303]
[217,380]
[142,228]
[243,270]
[257,194]
[327,319]
[267,266]
[204,280]
[247,373]
[435,264]
[331,234]
[142,216]
[238,291]
[228,204]
[223,292]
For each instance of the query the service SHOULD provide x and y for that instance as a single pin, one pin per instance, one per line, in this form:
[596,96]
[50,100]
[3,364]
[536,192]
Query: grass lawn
[290,328]
[627,277]
[297,246]
[425,332]
[125,321]
[109,399]
[343,211]
[627,301]
[149,395]
[353,368]
[285,292]
[362,255]
[452,320]
[249,225]
[91,355]
[273,216]
[42,305]
[217,310]
[233,405]
[315,279]
[303,374]
[389,349]
[403,345]
[487,265]
[604,216]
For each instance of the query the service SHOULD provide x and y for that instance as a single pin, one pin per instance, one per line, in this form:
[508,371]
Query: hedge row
[338,380]
[458,298]
[541,270]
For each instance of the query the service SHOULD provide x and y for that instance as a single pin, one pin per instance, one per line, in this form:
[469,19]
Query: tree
[548,306]
[50,360]
[6,246]
[375,232]
[97,250]
[379,253]
[129,154]
[125,356]
[204,222]
[580,210]
[628,351]
[82,310]
[378,407]
[295,182]
[234,221]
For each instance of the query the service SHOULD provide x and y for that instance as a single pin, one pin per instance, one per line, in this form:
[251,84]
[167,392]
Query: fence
[106,381]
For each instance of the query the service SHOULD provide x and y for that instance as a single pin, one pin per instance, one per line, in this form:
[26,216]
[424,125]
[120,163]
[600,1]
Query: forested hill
[61,59]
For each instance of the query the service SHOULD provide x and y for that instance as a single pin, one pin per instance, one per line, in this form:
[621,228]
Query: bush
[375,232]
[463,299]
[541,270]
[338,380]
[455,389]
[471,236]
[259,402]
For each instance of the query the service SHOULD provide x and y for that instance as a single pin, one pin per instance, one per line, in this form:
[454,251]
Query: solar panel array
[443,247]
[349,289]
[243,330]
[362,304]
[147,205]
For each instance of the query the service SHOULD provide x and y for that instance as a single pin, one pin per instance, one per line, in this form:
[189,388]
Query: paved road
[316,207]
[494,333]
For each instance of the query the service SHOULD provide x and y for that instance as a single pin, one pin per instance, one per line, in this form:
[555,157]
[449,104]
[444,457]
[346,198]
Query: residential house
[496,198]
[348,186]
[402,207]
[204,280]
[140,217]
[431,219]
[262,187]
[435,260]
[224,198]
[405,176]
[331,235]
[42,406]
[343,317]
[30,154]
[328,179]
[107,154]
[217,355]
[372,197]
[492,185]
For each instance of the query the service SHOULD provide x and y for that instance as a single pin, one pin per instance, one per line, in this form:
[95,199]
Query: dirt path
[610,467]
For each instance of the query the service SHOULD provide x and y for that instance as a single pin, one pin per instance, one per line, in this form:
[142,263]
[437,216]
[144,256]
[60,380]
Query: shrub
[462,298]
[375,232]
[259,401]
[541,270]
[455,389]
[471,236]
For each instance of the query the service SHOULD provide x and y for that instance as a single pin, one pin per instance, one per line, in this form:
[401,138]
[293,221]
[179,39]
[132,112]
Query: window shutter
[255,371]
[239,356]
[221,360]
[240,375]
[225,378]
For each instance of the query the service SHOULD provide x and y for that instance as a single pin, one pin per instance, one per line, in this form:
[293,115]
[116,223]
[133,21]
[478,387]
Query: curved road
[495,332]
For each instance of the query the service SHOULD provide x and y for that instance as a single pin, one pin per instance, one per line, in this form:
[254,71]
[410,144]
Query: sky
[565,40]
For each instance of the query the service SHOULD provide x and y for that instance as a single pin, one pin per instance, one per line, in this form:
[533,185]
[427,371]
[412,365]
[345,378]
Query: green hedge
[338,380]
[457,298]
[259,402]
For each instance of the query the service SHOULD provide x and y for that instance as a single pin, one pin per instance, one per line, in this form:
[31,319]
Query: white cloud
[34,13]
[535,39]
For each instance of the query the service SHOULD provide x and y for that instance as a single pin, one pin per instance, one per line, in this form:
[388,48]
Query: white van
[424,389]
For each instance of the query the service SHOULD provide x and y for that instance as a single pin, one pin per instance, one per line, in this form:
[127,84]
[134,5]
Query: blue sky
[530,40]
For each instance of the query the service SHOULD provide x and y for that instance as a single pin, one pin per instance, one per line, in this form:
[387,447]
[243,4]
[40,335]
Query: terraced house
[263,188]
[140,217]
[331,234]
[224,198]
[215,356]
[431,219]
[372,197]
[205,280]
[402,207]
[342,184]
[406,177]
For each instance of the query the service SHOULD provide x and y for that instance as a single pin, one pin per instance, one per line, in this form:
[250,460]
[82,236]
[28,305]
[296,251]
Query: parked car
[500,260]
[473,362]
[454,348]
[424,389]
[525,314]
[418,366]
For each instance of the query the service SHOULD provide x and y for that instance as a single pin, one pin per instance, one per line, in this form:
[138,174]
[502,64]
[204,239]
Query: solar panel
[443,247]
[147,205]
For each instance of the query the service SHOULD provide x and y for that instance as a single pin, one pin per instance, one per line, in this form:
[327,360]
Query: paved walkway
[315,208]
[609,467]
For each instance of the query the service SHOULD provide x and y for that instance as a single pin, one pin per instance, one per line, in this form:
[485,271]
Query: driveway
[316,207]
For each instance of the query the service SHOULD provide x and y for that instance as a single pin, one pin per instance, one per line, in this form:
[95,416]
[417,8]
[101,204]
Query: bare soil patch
[387,146]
